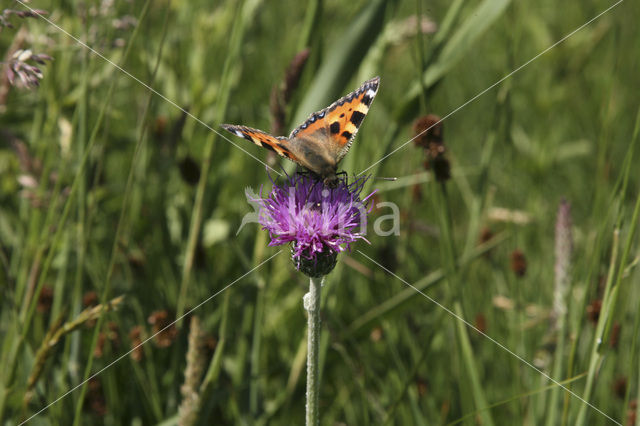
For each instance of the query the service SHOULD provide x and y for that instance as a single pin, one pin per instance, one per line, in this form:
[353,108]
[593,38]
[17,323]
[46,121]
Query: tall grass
[109,191]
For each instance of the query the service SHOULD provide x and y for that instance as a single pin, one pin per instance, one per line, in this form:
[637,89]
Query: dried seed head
[187,412]
[90,298]
[95,400]
[189,170]
[428,130]
[441,169]
[293,74]
[136,335]
[164,331]
[615,335]
[422,385]
[278,111]
[518,263]
[27,75]
[22,55]
[563,251]
[486,234]
[480,322]
[159,127]
[281,94]
[376,334]
[45,300]
[593,311]
[98,351]
[632,412]
[416,192]
[619,387]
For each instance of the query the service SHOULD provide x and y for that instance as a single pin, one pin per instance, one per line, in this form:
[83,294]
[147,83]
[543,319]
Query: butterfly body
[324,138]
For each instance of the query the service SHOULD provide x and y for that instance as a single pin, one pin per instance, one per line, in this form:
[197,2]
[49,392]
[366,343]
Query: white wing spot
[239,133]
[371,93]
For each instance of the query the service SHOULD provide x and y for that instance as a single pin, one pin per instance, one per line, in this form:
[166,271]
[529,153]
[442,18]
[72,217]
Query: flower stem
[312,305]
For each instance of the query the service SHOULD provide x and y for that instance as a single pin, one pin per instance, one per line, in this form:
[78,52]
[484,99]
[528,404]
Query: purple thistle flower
[319,221]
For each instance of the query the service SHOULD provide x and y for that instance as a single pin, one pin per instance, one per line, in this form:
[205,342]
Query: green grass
[133,197]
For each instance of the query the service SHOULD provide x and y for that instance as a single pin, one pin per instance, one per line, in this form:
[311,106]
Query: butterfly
[324,138]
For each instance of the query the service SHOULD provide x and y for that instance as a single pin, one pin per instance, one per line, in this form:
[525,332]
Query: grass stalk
[29,305]
[563,252]
[452,277]
[120,226]
[245,13]
[312,305]
[610,299]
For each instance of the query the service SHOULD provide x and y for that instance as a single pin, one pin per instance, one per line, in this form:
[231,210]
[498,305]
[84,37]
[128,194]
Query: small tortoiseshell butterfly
[324,138]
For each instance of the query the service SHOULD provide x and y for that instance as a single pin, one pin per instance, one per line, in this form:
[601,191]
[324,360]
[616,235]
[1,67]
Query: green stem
[312,305]
[243,16]
[452,268]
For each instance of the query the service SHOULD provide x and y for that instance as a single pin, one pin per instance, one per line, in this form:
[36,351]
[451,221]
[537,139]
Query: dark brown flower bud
[615,335]
[631,412]
[593,311]
[282,94]
[45,299]
[427,131]
[619,387]
[98,351]
[441,169]
[95,401]
[480,322]
[163,330]
[423,386]
[518,263]
[416,192]
[189,170]
[136,335]
[485,235]
[293,74]
[90,298]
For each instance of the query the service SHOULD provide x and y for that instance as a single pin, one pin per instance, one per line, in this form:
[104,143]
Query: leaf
[343,60]
[453,51]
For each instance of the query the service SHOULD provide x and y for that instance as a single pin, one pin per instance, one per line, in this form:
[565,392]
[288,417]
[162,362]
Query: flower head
[319,221]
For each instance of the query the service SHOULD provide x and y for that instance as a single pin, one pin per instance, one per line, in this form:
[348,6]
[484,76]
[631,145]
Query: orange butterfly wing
[260,138]
[341,119]
[325,137]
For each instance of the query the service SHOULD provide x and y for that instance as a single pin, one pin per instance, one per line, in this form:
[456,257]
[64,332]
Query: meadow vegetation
[120,198]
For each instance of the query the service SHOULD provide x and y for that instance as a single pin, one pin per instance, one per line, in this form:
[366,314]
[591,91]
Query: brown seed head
[422,385]
[428,130]
[189,170]
[45,299]
[135,335]
[90,298]
[376,334]
[631,412]
[164,333]
[481,322]
[95,400]
[293,73]
[518,263]
[615,335]
[619,387]
[593,311]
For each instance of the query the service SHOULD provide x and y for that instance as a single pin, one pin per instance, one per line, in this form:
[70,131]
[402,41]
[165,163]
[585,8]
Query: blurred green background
[108,189]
